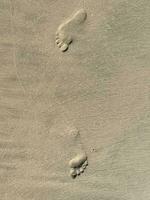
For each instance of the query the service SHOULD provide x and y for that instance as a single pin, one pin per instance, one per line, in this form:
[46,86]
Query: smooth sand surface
[100,87]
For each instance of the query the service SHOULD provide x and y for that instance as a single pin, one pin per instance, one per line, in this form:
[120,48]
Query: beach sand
[93,99]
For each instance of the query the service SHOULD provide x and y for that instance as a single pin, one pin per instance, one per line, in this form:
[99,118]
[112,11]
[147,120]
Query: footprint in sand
[78,164]
[65,32]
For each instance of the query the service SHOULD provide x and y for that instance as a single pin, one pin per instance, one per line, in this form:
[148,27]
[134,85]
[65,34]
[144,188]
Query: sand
[93,99]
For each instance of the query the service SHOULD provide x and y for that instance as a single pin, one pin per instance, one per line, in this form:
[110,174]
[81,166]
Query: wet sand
[99,88]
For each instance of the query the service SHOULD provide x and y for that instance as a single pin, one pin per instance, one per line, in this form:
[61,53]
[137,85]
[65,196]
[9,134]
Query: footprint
[64,33]
[78,164]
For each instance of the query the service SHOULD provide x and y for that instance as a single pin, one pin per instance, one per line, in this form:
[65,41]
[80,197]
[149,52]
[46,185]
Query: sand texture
[74,100]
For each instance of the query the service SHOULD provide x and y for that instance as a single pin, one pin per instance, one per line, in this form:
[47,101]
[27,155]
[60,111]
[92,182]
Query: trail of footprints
[78,164]
[65,32]
[64,37]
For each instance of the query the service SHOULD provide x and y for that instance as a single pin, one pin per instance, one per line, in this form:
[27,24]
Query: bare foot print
[64,33]
[79,162]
